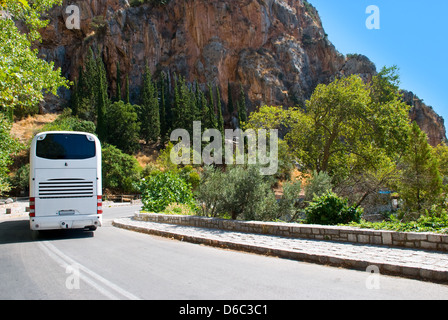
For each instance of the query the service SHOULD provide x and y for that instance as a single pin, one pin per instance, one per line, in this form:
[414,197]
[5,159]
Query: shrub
[121,172]
[329,209]
[289,205]
[426,223]
[161,189]
[317,185]
[179,209]
[190,176]
[67,122]
[240,192]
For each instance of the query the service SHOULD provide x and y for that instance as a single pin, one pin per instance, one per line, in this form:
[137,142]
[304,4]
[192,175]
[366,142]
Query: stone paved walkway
[427,265]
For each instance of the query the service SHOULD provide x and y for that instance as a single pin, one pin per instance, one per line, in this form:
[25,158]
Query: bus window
[55,146]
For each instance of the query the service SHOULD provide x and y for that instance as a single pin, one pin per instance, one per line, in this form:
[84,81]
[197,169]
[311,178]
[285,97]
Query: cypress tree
[149,114]
[230,107]
[101,128]
[162,109]
[102,100]
[74,99]
[178,104]
[126,91]
[220,124]
[118,90]
[242,110]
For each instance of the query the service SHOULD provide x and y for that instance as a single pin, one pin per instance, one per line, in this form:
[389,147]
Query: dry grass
[25,129]
[147,154]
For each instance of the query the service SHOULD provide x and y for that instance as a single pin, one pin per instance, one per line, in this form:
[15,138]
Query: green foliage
[289,205]
[242,109]
[317,185]
[89,98]
[24,78]
[329,209]
[179,209]
[161,189]
[20,180]
[67,122]
[209,120]
[239,191]
[441,155]
[230,106]
[121,172]
[123,127]
[420,185]
[148,112]
[190,176]
[426,223]
[8,147]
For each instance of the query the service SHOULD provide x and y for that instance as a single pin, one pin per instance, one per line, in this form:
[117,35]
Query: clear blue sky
[413,35]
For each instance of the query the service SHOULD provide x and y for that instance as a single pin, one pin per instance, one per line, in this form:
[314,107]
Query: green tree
[148,112]
[209,120]
[242,109]
[101,109]
[345,130]
[8,147]
[24,78]
[91,98]
[118,89]
[219,107]
[123,127]
[163,97]
[420,184]
[230,106]
[126,91]
[441,154]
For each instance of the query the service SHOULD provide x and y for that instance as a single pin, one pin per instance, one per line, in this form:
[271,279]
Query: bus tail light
[32,207]
[99,205]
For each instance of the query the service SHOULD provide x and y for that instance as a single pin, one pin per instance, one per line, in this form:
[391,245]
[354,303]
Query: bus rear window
[65,146]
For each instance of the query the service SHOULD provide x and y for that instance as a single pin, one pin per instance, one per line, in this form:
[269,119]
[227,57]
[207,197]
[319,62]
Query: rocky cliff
[277,49]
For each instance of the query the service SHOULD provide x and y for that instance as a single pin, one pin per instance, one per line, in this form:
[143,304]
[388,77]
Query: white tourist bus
[65,181]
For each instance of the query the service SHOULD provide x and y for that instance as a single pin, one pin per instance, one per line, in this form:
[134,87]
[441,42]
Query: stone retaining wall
[428,241]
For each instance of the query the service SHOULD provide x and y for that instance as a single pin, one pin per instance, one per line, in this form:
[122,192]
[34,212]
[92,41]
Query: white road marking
[64,261]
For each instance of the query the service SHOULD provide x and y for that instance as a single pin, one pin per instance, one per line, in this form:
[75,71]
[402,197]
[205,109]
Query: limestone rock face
[276,49]
[427,119]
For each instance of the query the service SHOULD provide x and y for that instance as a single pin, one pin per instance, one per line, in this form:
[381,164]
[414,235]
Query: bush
[161,189]
[121,172]
[329,209]
[67,122]
[239,192]
[289,205]
[317,185]
[179,209]
[190,176]
[426,223]
[20,180]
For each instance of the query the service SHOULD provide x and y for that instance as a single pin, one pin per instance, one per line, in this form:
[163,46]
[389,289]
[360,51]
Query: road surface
[112,263]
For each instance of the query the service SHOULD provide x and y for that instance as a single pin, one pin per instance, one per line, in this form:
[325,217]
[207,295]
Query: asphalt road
[112,263]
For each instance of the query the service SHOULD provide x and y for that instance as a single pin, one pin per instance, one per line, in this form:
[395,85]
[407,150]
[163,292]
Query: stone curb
[411,240]
[407,271]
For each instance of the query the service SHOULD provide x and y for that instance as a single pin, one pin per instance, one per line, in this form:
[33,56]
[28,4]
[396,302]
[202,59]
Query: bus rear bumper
[66,222]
